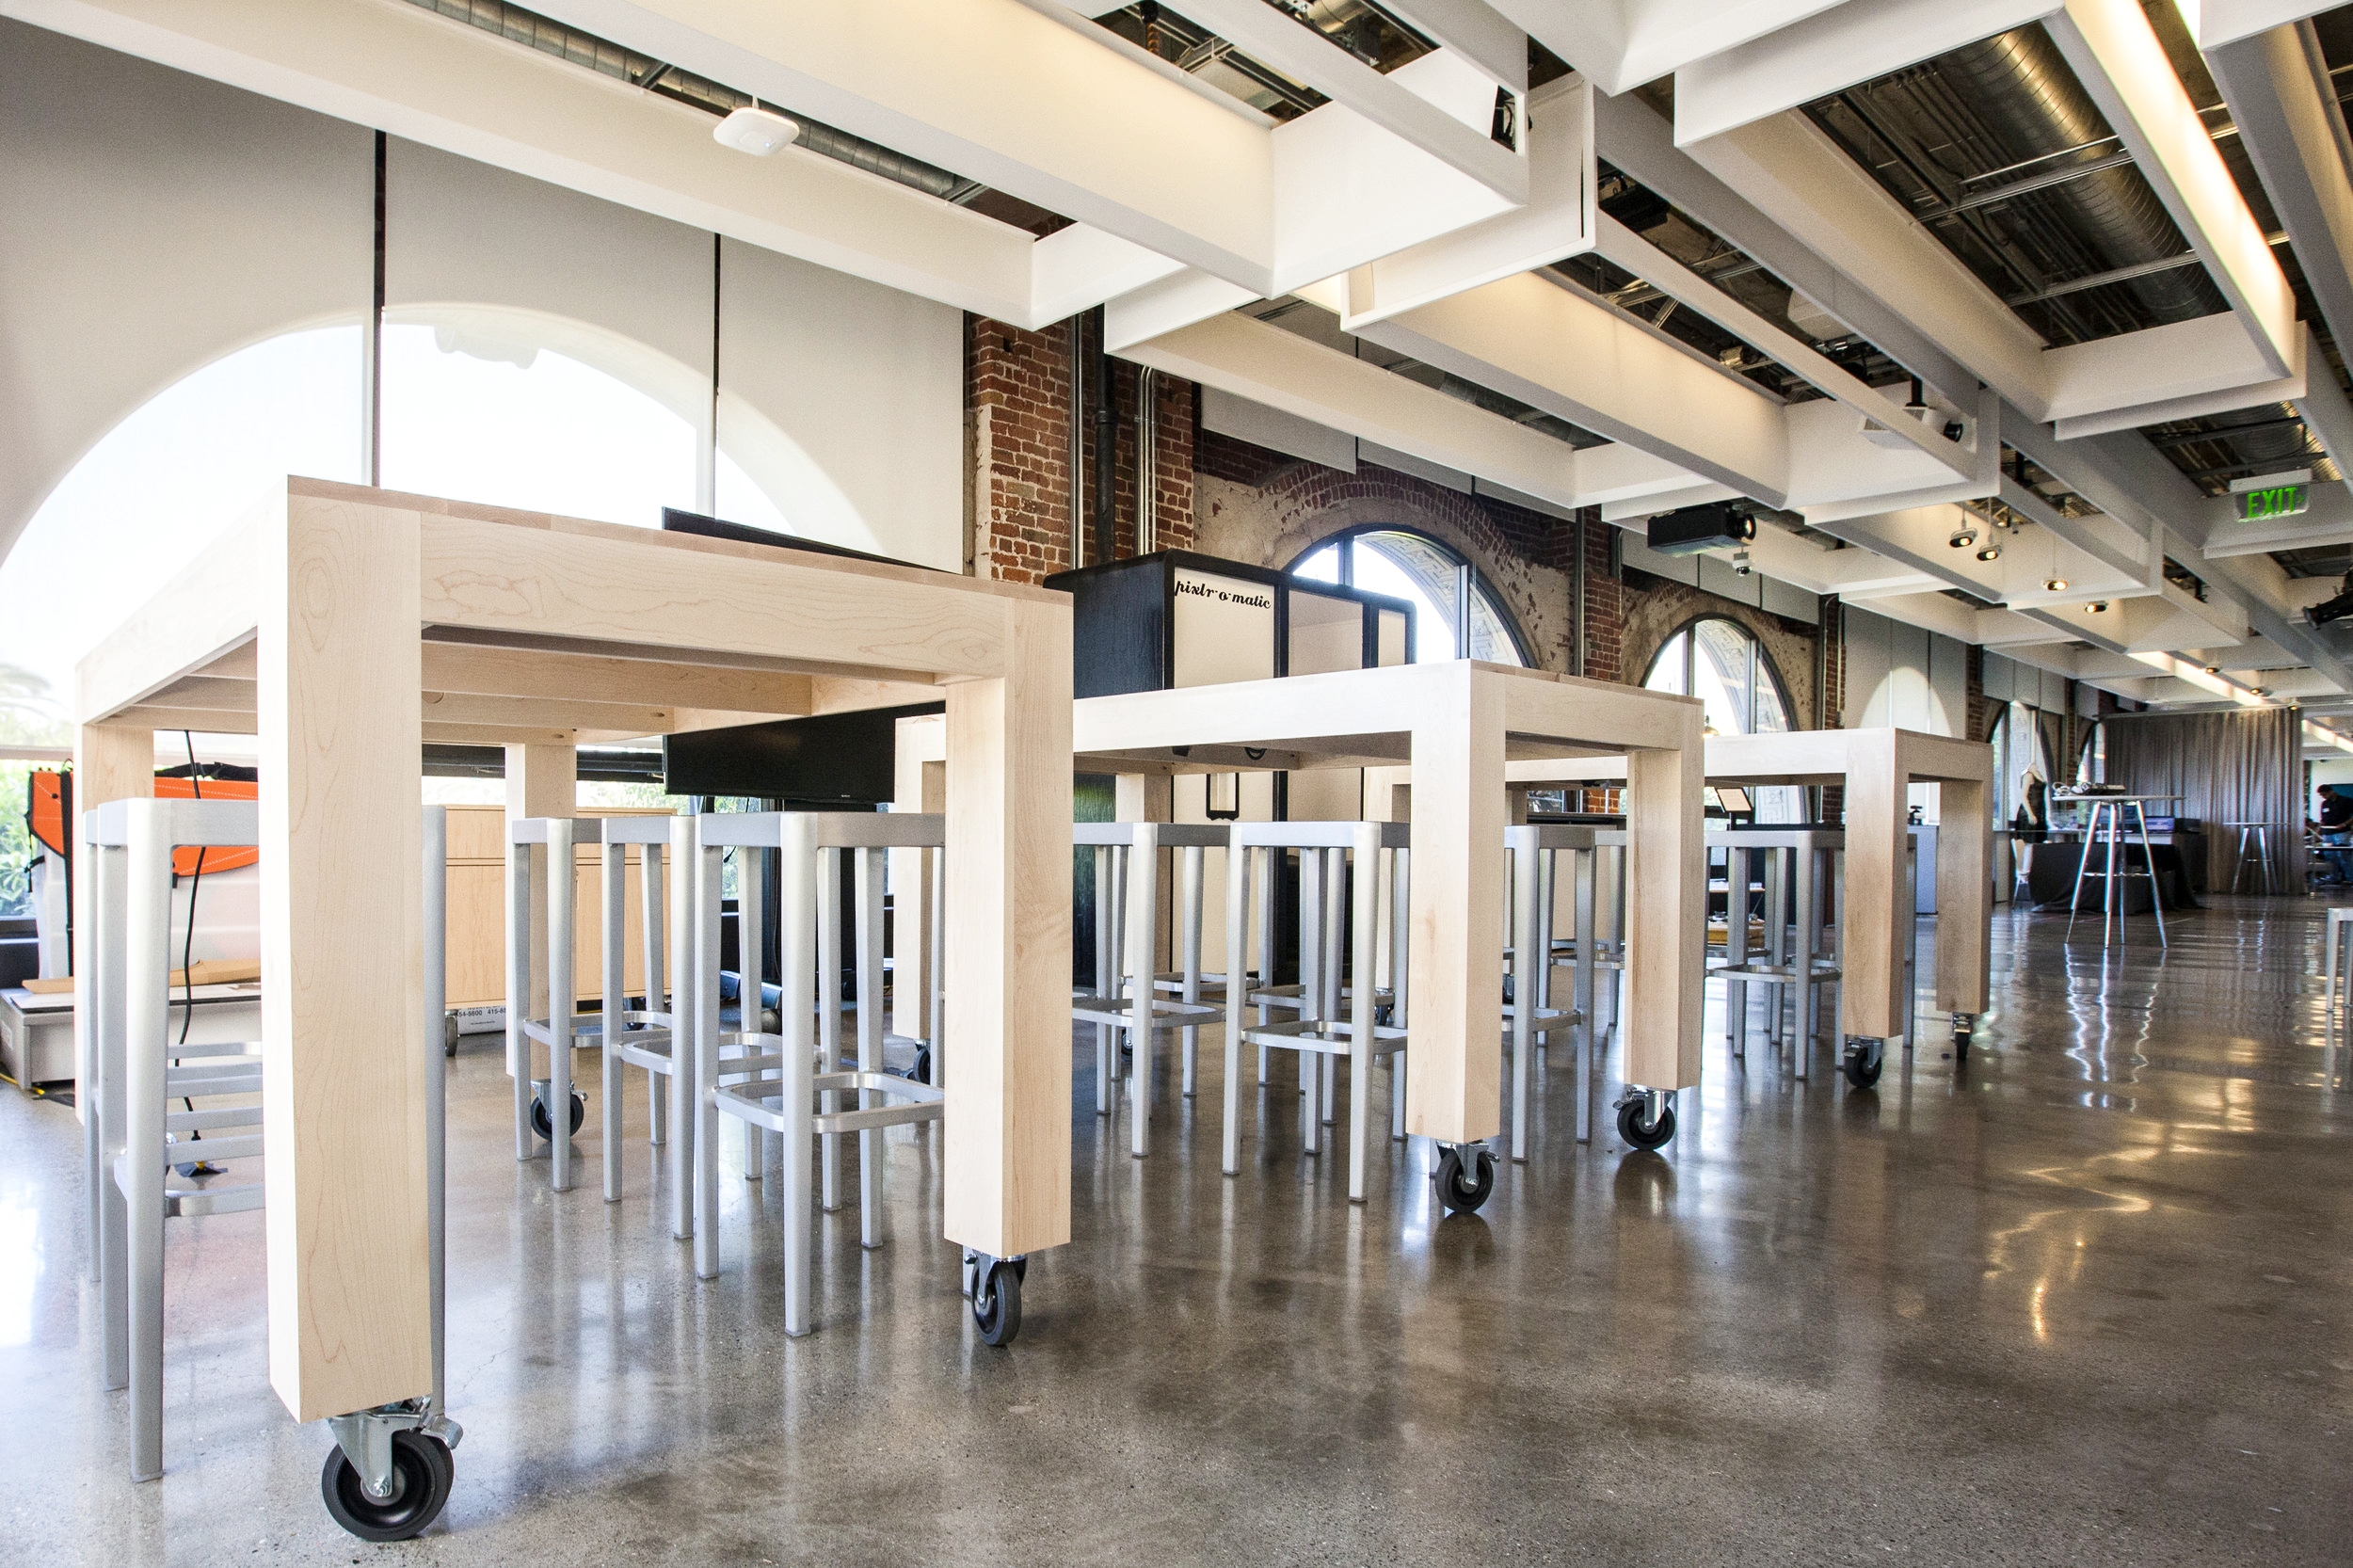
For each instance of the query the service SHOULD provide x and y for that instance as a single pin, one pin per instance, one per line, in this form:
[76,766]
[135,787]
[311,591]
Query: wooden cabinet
[477,920]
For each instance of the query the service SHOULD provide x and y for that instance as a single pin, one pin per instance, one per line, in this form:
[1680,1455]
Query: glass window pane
[1721,670]
[1419,573]
[1322,565]
[1666,668]
[1491,637]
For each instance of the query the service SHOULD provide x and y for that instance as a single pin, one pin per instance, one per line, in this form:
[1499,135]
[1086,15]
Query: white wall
[151,222]
[1906,677]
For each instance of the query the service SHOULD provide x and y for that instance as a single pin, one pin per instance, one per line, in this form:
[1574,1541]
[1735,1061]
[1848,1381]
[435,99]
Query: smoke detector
[755,130]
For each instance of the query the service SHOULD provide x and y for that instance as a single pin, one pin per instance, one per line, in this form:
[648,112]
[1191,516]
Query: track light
[1740,566]
[2055,584]
[2098,606]
[755,130]
[1964,537]
[1991,553]
[2214,669]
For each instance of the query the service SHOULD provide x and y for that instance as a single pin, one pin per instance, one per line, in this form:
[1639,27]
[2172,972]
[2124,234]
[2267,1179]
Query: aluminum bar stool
[1528,1013]
[546,846]
[784,1094]
[1803,875]
[646,1035]
[1336,1019]
[140,1071]
[135,1069]
[1129,985]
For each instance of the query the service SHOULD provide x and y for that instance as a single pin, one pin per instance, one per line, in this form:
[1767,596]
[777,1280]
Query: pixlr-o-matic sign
[1223,629]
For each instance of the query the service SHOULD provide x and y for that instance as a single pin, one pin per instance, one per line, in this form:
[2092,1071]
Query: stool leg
[1190,912]
[1144,931]
[802,988]
[1237,992]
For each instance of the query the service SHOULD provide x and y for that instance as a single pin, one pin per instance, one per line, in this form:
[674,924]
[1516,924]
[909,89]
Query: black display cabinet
[1176,618]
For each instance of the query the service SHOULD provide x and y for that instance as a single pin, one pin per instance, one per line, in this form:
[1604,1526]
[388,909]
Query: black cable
[188,953]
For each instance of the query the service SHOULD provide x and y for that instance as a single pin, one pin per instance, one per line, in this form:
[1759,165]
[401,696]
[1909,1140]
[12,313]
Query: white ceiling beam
[2217,22]
[1557,223]
[1437,123]
[1791,172]
[996,92]
[1475,31]
[2103,539]
[2286,389]
[2284,104]
[1058,111]
[441,83]
[1286,372]
[1639,140]
[1671,277]
[1829,51]
[1623,44]
[2124,66]
[1557,348]
[1920,537]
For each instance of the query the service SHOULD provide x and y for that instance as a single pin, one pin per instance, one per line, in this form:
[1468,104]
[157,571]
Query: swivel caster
[423,1469]
[1964,1035]
[1646,1119]
[540,1113]
[1466,1175]
[994,1285]
[1863,1060]
[449,1035]
[922,1071]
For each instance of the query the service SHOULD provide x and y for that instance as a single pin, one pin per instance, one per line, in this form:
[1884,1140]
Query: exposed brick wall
[1523,556]
[1659,608]
[1017,445]
[1604,603]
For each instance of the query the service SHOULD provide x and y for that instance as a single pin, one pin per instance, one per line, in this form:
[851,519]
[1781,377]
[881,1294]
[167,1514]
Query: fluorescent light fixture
[755,130]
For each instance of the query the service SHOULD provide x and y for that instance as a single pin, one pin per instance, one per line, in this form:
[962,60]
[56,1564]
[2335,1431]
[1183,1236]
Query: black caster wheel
[423,1469]
[1465,1176]
[449,1035]
[922,1071]
[539,1116]
[1863,1062]
[1639,1133]
[997,1301]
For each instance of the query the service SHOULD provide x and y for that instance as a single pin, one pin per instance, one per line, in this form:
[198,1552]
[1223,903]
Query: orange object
[184,861]
[51,792]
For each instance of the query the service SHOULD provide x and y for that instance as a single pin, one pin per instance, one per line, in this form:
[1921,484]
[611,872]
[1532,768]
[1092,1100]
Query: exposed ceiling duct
[2000,152]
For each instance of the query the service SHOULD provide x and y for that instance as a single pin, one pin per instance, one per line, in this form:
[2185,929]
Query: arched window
[1722,663]
[1455,613]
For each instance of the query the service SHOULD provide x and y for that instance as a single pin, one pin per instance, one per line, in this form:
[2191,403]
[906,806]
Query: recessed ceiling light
[2055,584]
[755,130]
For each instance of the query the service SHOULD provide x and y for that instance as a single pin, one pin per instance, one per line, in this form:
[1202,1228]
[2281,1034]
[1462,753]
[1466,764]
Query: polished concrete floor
[2084,1300]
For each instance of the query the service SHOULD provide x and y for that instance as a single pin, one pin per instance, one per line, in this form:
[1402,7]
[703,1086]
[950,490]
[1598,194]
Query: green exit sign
[2264,496]
[2273,501]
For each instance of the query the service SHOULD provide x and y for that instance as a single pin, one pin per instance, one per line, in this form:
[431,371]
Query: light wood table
[345,625]
[1874,766]
[1460,725]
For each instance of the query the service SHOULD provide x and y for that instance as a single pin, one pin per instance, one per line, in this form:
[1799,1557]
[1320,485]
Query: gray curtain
[2242,766]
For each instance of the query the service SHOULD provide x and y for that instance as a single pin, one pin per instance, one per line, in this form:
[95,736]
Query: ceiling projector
[1688,530]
